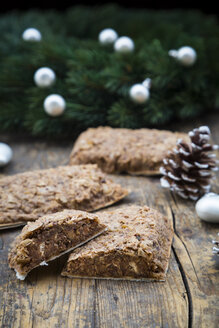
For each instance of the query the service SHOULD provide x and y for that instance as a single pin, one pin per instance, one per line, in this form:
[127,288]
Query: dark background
[205,6]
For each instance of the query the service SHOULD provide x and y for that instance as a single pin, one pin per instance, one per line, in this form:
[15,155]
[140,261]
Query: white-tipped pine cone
[215,249]
[187,170]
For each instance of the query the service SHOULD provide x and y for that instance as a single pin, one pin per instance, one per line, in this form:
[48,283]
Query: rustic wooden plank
[134,304]
[47,299]
[138,304]
[193,249]
[32,155]
[187,299]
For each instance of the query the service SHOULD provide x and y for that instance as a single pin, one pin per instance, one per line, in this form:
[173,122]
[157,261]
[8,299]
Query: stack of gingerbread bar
[55,205]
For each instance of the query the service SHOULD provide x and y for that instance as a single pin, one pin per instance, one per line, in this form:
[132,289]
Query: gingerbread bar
[50,237]
[124,150]
[27,196]
[136,246]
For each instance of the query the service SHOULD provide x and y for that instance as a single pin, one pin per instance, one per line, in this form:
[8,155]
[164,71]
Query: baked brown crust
[136,245]
[124,150]
[50,237]
[27,196]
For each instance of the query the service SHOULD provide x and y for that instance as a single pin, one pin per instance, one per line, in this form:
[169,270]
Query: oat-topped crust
[27,196]
[50,236]
[124,150]
[136,246]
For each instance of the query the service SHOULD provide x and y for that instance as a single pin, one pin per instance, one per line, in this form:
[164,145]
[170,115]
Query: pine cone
[215,249]
[188,168]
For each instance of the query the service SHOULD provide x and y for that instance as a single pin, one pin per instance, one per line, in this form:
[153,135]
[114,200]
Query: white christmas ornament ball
[124,45]
[207,208]
[139,93]
[44,77]
[54,105]
[5,154]
[32,34]
[187,56]
[108,36]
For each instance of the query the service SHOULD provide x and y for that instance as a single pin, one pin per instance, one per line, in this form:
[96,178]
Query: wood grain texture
[188,298]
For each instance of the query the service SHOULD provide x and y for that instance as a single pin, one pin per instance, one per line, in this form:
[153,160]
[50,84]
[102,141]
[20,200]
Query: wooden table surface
[188,298]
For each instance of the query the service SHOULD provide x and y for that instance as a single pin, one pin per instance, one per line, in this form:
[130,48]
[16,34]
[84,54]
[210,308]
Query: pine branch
[94,80]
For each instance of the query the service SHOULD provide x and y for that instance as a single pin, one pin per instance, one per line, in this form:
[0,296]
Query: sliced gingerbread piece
[51,236]
[27,196]
[124,150]
[136,246]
